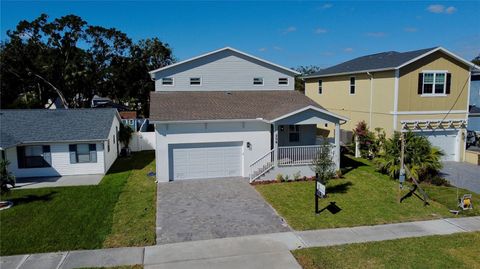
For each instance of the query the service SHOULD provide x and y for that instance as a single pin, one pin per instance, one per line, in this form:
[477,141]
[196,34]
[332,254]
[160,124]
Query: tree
[6,177]
[125,134]
[304,70]
[68,57]
[476,60]
[365,138]
[421,158]
[323,164]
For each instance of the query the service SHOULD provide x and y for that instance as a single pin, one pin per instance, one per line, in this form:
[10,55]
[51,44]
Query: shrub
[6,177]
[365,138]
[323,164]
[279,178]
[421,158]
[297,175]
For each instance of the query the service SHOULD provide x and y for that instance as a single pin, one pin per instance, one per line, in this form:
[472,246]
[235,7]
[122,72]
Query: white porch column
[275,145]
[337,146]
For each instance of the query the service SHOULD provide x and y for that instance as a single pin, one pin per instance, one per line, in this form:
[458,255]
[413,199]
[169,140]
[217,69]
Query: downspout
[371,98]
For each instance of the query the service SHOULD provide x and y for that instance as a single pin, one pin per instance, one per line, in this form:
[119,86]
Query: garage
[446,141]
[205,160]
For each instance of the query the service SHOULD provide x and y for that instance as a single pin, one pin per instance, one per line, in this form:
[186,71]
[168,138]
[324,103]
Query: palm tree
[421,158]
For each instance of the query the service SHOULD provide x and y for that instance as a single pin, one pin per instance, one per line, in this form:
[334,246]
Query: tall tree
[67,57]
[304,70]
[476,60]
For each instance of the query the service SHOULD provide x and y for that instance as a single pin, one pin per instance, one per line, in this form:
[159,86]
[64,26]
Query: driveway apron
[463,175]
[201,209]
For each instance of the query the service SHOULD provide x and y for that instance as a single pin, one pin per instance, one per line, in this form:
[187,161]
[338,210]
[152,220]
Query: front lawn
[365,196]
[440,251]
[120,211]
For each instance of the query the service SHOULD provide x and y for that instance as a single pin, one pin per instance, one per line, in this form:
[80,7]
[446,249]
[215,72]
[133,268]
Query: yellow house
[425,91]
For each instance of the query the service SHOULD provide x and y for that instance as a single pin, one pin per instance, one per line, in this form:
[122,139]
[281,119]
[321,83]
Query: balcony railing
[298,155]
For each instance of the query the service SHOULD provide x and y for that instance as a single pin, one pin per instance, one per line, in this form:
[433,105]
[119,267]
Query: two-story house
[230,114]
[425,91]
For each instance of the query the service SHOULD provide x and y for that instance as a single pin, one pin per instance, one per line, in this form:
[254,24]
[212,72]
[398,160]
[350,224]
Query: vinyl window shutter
[420,83]
[449,82]
[21,157]
[47,155]
[93,153]
[73,153]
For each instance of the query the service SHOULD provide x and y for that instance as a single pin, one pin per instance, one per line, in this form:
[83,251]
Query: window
[434,83]
[114,139]
[352,85]
[108,145]
[34,156]
[283,81]
[293,133]
[195,81]
[320,90]
[131,122]
[257,81]
[167,81]
[83,153]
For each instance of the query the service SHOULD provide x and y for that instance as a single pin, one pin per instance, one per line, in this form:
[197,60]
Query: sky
[290,33]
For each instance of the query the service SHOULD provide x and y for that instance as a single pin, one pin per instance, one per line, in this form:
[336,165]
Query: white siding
[257,133]
[142,141]
[224,71]
[60,163]
[111,156]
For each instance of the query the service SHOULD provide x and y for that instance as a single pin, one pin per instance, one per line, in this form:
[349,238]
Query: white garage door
[446,141]
[206,160]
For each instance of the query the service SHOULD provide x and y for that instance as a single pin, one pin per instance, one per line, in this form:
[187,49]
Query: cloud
[326,6]
[277,48]
[262,49]
[327,53]
[376,34]
[348,49]
[439,9]
[320,31]
[290,29]
[410,29]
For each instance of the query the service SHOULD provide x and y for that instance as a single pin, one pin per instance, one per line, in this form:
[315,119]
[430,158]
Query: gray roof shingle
[19,126]
[384,60]
[218,105]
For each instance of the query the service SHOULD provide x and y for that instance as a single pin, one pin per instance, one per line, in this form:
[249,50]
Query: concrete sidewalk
[255,251]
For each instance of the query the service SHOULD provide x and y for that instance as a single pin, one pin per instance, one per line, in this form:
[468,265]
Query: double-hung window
[83,153]
[434,83]
[352,85]
[167,81]
[320,89]
[283,81]
[195,81]
[293,133]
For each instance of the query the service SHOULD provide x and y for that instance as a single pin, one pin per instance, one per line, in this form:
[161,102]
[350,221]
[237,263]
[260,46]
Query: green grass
[365,196]
[445,251]
[84,217]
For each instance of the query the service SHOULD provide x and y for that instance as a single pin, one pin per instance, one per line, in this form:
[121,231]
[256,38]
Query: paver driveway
[463,175]
[201,209]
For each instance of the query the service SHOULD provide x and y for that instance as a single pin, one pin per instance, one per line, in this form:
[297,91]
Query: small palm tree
[125,135]
[6,177]
[421,158]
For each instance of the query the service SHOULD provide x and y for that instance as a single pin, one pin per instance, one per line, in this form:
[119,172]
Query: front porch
[295,145]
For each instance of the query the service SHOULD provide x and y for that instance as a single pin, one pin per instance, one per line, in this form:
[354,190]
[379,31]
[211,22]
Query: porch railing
[262,165]
[298,155]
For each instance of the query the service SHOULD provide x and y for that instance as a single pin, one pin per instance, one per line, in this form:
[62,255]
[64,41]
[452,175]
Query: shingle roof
[218,105]
[19,126]
[384,60]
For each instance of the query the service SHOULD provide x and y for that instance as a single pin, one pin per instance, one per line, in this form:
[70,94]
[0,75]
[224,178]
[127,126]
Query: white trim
[167,85]
[395,99]
[310,107]
[220,50]
[435,50]
[433,95]
[195,85]
[428,112]
[434,83]
[207,121]
[349,73]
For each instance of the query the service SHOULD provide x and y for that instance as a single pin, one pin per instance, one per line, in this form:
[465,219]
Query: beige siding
[410,100]
[336,97]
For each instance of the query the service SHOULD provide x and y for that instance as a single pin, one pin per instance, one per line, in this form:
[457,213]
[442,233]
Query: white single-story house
[46,143]
[230,114]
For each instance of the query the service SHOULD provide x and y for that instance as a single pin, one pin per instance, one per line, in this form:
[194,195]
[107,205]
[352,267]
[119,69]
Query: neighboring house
[129,118]
[425,91]
[44,142]
[474,112]
[104,102]
[230,114]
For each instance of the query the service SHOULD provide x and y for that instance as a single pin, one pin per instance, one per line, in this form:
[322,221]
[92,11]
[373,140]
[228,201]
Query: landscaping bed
[441,251]
[120,211]
[365,196]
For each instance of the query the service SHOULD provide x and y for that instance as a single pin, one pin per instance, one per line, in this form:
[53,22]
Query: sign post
[320,191]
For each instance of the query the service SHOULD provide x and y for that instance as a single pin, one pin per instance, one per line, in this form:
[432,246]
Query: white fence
[298,155]
[142,141]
